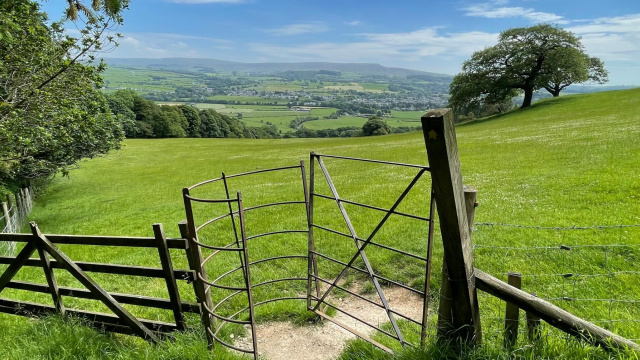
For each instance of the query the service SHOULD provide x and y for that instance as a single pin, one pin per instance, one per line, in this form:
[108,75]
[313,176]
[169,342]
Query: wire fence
[591,271]
[13,214]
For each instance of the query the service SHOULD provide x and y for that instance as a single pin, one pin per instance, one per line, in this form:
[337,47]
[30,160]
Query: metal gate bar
[213,321]
[361,244]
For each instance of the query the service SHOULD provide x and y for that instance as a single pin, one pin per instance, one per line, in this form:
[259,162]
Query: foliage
[567,66]
[51,111]
[375,126]
[143,118]
[524,60]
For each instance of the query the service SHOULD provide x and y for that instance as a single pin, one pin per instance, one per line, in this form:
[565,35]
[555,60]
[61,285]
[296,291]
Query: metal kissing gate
[231,287]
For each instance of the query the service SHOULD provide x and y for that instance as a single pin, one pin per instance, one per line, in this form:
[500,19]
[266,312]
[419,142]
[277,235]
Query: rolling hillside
[569,161]
[269,68]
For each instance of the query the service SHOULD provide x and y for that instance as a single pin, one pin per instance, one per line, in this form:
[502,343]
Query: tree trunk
[528,96]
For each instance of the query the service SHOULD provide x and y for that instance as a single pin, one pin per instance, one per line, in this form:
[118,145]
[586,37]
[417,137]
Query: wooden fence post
[27,195]
[512,313]
[6,216]
[10,202]
[444,165]
[445,317]
[48,271]
[533,324]
[169,276]
[18,207]
[203,296]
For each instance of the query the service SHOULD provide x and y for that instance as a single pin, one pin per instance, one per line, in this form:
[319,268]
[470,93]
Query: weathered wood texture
[552,314]
[137,242]
[445,316]
[130,299]
[99,320]
[48,272]
[444,164]
[169,277]
[124,322]
[92,286]
[512,313]
[108,268]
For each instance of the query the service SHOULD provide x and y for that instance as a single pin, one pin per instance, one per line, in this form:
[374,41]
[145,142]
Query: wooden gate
[121,320]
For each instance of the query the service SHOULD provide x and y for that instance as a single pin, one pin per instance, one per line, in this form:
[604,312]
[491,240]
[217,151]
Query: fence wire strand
[598,282]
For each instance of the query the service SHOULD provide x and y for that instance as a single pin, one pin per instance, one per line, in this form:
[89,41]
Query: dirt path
[285,341]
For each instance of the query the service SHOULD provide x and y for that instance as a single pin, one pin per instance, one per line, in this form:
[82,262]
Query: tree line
[142,118]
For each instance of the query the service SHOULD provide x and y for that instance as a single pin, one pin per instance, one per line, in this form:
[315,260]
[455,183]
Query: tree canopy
[52,113]
[524,60]
[375,126]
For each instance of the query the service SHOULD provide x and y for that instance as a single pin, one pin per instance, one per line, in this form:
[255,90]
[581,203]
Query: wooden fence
[121,320]
[14,212]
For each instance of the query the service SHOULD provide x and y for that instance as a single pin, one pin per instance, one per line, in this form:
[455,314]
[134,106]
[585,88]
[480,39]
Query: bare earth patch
[326,340]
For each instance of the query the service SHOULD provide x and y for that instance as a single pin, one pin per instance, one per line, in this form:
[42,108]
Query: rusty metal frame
[239,245]
[361,244]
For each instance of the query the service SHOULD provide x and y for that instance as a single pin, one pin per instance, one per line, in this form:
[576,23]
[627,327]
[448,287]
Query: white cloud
[353,23]
[493,10]
[442,52]
[614,39]
[312,27]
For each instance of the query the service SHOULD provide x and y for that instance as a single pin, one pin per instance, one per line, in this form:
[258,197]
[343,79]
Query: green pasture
[568,161]
[142,80]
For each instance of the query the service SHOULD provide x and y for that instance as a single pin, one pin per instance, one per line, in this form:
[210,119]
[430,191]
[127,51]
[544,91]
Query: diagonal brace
[361,248]
[17,264]
[99,292]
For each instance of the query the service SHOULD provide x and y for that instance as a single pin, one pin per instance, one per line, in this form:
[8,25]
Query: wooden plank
[512,313]
[12,208]
[187,275]
[99,320]
[100,293]
[552,314]
[6,215]
[130,299]
[445,316]
[444,164]
[16,264]
[194,258]
[167,268]
[48,273]
[137,242]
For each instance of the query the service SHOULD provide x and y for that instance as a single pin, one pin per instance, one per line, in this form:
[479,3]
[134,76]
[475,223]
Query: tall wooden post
[10,202]
[7,216]
[512,313]
[445,316]
[444,164]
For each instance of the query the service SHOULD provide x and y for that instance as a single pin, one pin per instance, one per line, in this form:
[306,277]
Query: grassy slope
[563,162]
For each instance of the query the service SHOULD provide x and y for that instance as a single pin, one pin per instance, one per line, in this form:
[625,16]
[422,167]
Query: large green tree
[524,60]
[52,113]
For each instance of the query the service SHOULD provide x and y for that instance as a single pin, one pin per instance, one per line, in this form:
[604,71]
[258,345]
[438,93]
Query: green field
[568,161]
[145,80]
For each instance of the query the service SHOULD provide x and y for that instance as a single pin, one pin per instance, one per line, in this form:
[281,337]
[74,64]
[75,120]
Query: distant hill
[270,68]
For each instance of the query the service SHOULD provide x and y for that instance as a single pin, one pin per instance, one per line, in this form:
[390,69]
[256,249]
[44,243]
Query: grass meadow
[570,161]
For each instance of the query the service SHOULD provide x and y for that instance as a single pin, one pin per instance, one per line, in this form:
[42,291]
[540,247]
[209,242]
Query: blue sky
[432,35]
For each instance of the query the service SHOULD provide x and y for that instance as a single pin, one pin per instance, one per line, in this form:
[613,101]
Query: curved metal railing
[213,318]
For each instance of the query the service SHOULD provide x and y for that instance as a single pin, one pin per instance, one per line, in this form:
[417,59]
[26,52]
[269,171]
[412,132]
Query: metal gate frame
[315,302]
[361,244]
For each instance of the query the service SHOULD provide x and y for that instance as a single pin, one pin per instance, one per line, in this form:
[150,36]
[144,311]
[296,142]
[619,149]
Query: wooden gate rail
[124,322]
